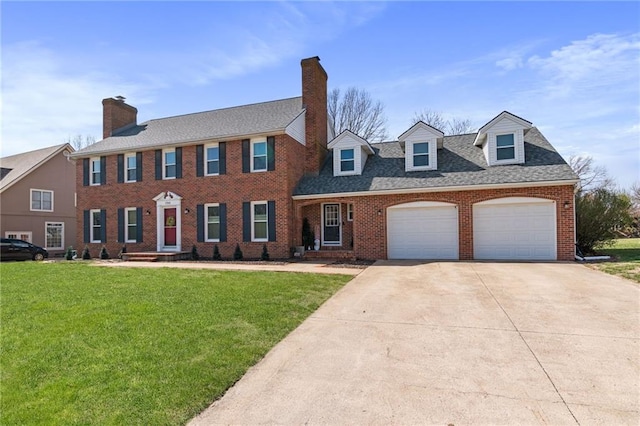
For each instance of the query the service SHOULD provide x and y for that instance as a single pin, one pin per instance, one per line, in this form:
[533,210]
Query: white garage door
[422,230]
[515,228]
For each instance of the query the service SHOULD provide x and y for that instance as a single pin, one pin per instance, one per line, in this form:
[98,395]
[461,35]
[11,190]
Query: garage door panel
[422,233]
[524,231]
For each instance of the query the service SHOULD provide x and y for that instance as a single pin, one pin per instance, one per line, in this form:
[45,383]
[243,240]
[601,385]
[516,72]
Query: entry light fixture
[187,211]
[148,212]
[379,212]
[567,204]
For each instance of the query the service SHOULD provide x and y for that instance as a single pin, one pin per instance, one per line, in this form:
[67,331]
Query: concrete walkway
[454,343]
[315,267]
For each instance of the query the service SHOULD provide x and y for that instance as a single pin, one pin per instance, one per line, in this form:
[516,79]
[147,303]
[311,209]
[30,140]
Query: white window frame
[17,235]
[165,164]
[432,152]
[413,156]
[353,160]
[41,191]
[206,222]
[126,167]
[92,236]
[350,212]
[46,233]
[206,160]
[513,146]
[254,142]
[127,224]
[253,221]
[92,173]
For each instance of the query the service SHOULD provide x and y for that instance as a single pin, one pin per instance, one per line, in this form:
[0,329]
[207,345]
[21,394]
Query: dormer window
[505,147]
[347,161]
[421,154]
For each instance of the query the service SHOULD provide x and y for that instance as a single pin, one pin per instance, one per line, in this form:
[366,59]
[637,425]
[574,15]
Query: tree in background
[452,126]
[78,141]
[603,212]
[354,110]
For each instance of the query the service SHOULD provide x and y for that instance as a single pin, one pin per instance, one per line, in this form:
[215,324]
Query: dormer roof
[352,137]
[502,116]
[421,125]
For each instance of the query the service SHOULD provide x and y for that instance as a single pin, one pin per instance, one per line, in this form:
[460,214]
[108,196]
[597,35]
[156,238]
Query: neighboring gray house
[37,197]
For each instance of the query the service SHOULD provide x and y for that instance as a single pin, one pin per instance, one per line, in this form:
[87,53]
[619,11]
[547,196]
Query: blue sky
[571,68]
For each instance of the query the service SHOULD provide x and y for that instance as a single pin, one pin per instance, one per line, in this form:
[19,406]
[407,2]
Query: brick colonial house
[249,175]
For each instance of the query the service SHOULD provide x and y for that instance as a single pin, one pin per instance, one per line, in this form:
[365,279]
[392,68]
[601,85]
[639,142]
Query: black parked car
[13,249]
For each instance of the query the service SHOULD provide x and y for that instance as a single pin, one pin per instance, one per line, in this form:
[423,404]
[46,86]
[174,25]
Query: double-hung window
[95,228]
[131,166]
[41,200]
[169,163]
[347,160]
[259,156]
[421,154]
[212,213]
[350,212]
[131,225]
[505,147]
[54,235]
[259,221]
[95,171]
[212,160]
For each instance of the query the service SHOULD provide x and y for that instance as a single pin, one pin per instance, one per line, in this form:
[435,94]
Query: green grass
[625,254]
[95,345]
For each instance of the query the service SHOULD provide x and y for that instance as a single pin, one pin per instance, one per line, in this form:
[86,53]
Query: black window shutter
[121,225]
[178,163]
[86,224]
[103,225]
[200,222]
[222,155]
[271,217]
[246,156]
[199,160]
[120,168]
[85,172]
[139,224]
[246,221]
[139,167]
[223,222]
[103,170]
[271,153]
[158,164]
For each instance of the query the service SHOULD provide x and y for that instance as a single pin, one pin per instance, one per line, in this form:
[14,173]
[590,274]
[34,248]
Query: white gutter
[436,189]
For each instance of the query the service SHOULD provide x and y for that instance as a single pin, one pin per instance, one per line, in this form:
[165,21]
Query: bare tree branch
[454,126]
[591,177]
[357,112]
[78,141]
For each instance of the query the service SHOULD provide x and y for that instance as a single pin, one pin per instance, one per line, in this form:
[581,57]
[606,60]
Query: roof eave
[60,149]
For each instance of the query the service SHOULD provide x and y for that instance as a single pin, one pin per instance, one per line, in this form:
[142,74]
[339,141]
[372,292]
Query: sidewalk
[314,267]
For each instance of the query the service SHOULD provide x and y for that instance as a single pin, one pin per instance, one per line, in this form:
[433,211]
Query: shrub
[599,214]
[237,254]
[216,253]
[123,250]
[104,254]
[69,253]
[86,255]
[265,253]
[194,253]
[307,234]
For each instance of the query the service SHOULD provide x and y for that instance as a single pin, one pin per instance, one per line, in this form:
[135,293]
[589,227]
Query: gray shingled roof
[218,124]
[460,163]
[15,167]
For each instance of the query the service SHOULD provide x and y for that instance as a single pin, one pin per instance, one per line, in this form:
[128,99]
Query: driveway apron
[454,343]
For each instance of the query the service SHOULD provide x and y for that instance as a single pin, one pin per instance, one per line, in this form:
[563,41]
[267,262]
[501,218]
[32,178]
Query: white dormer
[350,154]
[421,143]
[502,139]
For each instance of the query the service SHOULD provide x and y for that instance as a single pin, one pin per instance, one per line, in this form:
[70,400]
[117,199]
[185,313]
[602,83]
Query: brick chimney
[314,99]
[116,114]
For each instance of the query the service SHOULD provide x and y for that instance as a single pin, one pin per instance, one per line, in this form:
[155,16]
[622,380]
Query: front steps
[156,256]
[329,255]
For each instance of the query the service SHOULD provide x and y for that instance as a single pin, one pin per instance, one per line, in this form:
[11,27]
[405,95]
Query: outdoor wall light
[187,211]
[379,212]
[566,204]
[148,212]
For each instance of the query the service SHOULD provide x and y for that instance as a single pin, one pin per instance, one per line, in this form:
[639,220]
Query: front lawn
[625,255]
[92,345]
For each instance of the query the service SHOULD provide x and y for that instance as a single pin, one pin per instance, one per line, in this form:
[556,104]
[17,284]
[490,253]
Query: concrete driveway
[454,343]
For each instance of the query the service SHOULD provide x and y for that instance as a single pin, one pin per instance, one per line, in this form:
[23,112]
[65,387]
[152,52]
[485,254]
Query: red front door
[170,227]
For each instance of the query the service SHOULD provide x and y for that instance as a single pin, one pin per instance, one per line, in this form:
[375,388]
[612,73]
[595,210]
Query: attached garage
[422,230]
[515,228]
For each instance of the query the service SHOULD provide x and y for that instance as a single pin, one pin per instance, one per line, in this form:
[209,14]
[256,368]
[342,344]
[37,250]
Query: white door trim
[332,243]
[168,200]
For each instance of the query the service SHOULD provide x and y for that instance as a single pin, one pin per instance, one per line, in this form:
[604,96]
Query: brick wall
[233,188]
[369,227]
[116,114]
